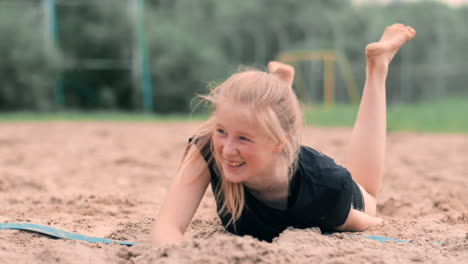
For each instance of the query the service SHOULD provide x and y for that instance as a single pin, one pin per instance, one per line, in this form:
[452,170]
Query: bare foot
[391,41]
[284,71]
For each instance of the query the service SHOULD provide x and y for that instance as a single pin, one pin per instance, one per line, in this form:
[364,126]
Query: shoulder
[321,169]
[315,158]
[204,146]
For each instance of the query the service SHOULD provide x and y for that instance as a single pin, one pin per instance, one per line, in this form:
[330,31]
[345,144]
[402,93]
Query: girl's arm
[182,200]
[358,221]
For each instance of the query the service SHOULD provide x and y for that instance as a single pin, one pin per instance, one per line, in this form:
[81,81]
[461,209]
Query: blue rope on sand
[382,239]
[57,233]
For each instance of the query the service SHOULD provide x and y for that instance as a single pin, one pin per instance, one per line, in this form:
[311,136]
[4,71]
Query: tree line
[194,43]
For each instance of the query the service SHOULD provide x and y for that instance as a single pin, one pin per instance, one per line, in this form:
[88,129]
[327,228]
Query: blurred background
[155,56]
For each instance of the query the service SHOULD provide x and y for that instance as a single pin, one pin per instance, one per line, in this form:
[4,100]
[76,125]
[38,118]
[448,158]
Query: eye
[220,131]
[244,139]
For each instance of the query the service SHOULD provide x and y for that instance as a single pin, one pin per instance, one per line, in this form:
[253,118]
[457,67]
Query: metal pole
[49,6]
[52,32]
[144,61]
[329,80]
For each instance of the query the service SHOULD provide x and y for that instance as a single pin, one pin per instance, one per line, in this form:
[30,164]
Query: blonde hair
[277,111]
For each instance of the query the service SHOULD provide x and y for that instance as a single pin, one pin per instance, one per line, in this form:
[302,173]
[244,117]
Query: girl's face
[242,148]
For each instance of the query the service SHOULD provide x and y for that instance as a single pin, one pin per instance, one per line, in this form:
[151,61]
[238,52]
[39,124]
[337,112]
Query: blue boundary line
[54,232]
[381,238]
[57,233]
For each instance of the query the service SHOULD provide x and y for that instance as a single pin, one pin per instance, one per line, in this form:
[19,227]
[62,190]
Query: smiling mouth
[234,164]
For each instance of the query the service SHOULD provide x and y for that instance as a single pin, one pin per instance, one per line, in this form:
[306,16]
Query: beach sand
[108,180]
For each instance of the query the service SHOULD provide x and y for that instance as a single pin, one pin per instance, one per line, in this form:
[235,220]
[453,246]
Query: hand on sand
[391,41]
[284,71]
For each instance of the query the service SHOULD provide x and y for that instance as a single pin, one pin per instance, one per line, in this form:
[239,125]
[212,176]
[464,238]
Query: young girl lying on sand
[263,179]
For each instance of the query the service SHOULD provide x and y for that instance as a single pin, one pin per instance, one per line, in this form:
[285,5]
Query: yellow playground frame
[329,59]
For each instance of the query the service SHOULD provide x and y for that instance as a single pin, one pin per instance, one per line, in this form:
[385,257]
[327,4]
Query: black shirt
[320,195]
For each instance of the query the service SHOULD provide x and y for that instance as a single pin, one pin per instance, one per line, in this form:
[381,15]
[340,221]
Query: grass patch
[447,115]
[98,116]
[339,115]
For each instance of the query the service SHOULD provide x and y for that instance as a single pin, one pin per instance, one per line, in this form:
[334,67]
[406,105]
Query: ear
[284,71]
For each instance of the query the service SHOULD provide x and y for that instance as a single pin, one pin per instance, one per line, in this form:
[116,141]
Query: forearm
[182,200]
[165,235]
[358,221]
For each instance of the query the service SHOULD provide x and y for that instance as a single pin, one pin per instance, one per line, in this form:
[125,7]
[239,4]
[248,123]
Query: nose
[229,148]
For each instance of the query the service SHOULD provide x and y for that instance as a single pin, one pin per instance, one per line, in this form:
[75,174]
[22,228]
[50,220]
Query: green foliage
[97,39]
[29,68]
[97,116]
[194,42]
[183,61]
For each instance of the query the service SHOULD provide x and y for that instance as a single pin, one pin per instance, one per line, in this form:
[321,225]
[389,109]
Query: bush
[29,66]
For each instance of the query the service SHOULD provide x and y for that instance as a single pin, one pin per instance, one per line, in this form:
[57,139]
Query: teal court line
[57,233]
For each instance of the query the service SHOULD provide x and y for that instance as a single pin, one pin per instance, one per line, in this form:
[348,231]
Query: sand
[109,179]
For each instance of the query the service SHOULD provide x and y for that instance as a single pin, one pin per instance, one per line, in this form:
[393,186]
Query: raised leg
[366,151]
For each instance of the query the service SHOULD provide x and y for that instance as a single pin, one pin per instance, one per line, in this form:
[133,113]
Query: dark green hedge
[194,42]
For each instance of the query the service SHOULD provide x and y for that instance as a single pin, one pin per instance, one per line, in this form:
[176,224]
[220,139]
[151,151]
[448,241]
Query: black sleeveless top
[320,195]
